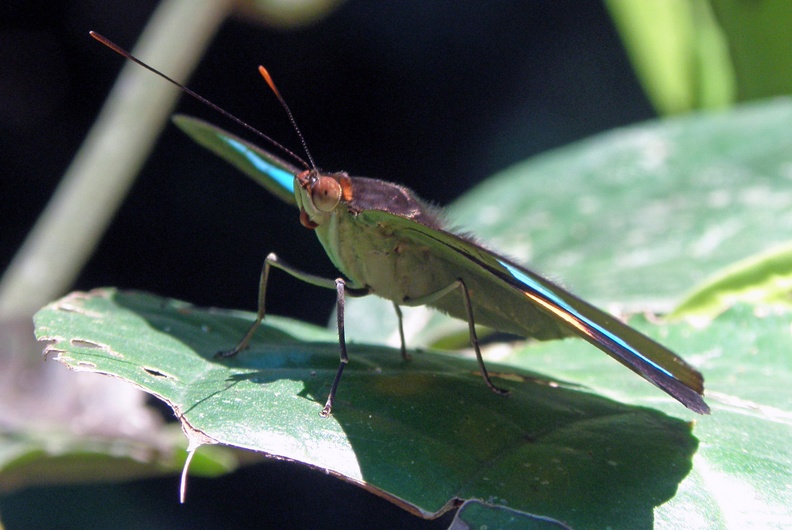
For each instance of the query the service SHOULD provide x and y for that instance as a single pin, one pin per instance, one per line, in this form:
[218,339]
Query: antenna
[119,50]
[265,74]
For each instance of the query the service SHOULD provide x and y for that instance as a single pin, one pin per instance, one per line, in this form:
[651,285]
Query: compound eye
[325,194]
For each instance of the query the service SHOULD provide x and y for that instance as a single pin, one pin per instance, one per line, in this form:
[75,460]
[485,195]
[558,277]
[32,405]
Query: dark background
[436,96]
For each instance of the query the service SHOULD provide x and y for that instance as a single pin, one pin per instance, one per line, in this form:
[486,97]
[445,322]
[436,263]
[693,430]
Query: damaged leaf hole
[69,308]
[57,352]
[82,343]
[156,373]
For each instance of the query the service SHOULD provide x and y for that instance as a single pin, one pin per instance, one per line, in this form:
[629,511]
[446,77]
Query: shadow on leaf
[422,433]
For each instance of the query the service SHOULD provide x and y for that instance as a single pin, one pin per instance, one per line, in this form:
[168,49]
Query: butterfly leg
[341,288]
[404,354]
[460,284]
[272,260]
[341,345]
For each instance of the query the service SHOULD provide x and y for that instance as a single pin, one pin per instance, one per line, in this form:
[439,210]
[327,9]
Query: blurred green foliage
[700,54]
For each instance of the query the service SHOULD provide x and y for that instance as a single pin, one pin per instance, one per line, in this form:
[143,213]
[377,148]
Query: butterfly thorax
[370,256]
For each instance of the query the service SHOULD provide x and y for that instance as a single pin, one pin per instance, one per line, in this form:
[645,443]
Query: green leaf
[764,280]
[45,458]
[637,215]
[420,433]
[758,38]
[629,219]
[57,427]
[679,52]
[476,514]
[740,476]
[694,54]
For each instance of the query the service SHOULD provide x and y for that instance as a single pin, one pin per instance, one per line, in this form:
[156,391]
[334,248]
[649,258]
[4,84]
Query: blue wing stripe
[549,295]
[282,177]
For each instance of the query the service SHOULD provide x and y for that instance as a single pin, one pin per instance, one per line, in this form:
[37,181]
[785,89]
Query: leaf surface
[421,433]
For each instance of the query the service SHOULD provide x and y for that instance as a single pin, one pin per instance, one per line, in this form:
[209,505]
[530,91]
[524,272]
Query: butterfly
[388,242]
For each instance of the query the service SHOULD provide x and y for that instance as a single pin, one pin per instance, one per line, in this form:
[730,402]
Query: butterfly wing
[265,168]
[511,293]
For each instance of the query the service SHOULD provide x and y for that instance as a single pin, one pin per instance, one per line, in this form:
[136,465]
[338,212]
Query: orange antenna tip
[107,42]
[268,78]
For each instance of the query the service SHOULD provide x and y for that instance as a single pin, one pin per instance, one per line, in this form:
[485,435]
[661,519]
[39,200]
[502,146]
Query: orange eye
[325,194]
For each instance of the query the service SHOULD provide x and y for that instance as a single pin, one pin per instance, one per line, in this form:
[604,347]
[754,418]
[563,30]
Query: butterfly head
[319,195]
